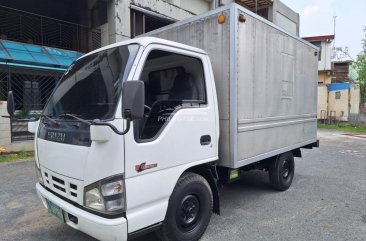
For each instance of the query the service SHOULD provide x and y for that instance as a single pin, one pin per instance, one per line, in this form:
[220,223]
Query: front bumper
[93,225]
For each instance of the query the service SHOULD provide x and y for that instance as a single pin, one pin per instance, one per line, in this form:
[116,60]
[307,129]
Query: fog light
[115,205]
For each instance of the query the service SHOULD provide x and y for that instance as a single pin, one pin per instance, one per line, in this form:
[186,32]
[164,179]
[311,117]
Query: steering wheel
[147,107]
[147,110]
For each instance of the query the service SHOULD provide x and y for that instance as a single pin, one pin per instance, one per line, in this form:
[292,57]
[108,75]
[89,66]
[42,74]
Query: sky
[316,18]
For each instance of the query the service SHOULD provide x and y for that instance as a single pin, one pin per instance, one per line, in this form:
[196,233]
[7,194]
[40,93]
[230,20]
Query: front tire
[281,172]
[189,210]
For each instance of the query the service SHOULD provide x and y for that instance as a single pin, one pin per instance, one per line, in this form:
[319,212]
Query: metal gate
[21,26]
[31,89]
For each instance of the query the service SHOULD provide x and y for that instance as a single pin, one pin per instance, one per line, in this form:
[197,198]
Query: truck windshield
[90,89]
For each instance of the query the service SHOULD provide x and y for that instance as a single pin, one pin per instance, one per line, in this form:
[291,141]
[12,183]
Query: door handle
[205,140]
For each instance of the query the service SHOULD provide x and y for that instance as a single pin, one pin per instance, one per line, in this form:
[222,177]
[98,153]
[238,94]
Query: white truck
[137,135]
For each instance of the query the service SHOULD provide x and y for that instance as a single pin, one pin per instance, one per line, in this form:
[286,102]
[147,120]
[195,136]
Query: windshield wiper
[76,118]
[98,122]
[50,119]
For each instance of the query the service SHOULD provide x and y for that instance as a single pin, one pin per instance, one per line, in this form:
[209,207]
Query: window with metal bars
[143,23]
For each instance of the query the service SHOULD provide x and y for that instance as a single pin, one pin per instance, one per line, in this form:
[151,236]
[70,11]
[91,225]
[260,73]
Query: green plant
[345,127]
[22,113]
[360,66]
[16,156]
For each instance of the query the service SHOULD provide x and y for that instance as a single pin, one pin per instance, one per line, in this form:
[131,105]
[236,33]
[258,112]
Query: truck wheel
[189,209]
[282,171]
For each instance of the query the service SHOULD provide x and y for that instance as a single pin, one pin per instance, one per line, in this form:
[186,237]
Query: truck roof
[144,42]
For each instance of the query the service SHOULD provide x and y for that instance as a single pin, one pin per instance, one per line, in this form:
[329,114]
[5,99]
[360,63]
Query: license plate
[55,210]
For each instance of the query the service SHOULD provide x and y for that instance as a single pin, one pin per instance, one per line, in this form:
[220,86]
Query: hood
[64,159]
[71,153]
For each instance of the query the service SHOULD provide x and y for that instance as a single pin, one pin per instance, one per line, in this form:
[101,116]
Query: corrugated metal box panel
[266,81]
[276,90]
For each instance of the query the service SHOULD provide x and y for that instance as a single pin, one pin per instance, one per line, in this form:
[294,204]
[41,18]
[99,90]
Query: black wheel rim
[188,213]
[285,169]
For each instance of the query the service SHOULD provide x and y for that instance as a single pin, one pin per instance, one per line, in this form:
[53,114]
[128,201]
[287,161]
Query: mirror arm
[115,130]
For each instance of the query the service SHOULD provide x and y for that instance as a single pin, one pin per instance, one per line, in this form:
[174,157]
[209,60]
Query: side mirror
[133,100]
[10,104]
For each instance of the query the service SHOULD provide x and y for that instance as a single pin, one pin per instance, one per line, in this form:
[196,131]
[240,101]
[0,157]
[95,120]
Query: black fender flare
[208,171]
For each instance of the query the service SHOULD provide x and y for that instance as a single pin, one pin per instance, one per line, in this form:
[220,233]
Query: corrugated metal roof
[320,38]
[34,55]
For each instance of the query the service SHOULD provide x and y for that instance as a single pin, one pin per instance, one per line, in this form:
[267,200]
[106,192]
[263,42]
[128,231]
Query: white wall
[119,24]
[354,100]
[285,23]
[5,134]
[341,105]
[284,17]
[4,126]
[325,61]
[196,6]
[322,101]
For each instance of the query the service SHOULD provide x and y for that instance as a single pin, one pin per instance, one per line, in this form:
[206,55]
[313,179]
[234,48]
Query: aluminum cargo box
[266,81]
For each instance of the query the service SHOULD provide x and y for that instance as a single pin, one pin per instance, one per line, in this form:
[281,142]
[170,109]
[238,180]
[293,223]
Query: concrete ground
[327,201]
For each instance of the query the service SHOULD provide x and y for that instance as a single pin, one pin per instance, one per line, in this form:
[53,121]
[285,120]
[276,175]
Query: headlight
[39,174]
[107,195]
[94,200]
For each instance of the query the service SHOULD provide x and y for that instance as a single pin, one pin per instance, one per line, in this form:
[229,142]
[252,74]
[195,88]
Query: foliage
[24,113]
[360,66]
[16,156]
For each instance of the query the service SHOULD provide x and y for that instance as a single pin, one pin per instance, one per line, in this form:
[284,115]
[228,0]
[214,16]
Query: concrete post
[5,139]
[119,27]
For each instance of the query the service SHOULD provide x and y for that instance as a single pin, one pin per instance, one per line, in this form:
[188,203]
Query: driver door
[178,131]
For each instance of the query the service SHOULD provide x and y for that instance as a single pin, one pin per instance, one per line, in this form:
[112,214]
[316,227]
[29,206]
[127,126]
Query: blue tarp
[30,55]
[339,86]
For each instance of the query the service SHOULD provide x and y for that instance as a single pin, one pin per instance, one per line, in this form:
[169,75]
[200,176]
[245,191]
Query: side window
[172,81]
[338,95]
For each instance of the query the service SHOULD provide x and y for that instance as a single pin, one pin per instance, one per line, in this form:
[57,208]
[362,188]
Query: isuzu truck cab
[107,159]
[137,135]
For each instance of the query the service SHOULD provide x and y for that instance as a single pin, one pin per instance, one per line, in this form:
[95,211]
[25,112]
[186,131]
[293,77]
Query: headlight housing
[39,174]
[107,195]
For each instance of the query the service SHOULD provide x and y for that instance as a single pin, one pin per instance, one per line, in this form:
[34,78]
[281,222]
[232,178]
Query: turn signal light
[221,19]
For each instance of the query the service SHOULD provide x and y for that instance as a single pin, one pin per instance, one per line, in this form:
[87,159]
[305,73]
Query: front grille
[73,190]
[58,180]
[60,185]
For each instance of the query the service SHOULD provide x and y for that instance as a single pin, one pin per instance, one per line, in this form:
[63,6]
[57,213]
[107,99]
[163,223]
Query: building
[344,94]
[39,39]
[338,95]
[324,43]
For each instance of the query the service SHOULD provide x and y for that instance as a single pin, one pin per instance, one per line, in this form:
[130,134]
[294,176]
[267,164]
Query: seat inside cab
[172,81]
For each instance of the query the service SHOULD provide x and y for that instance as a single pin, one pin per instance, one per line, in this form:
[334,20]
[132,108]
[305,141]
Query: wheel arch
[296,152]
[208,171]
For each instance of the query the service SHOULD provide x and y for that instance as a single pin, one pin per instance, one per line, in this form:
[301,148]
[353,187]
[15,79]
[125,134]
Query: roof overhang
[35,56]
[320,38]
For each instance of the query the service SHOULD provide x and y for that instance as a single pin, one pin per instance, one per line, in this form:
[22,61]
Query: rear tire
[189,210]
[281,172]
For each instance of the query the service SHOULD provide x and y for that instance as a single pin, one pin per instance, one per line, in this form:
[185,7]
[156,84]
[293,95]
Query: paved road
[327,201]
